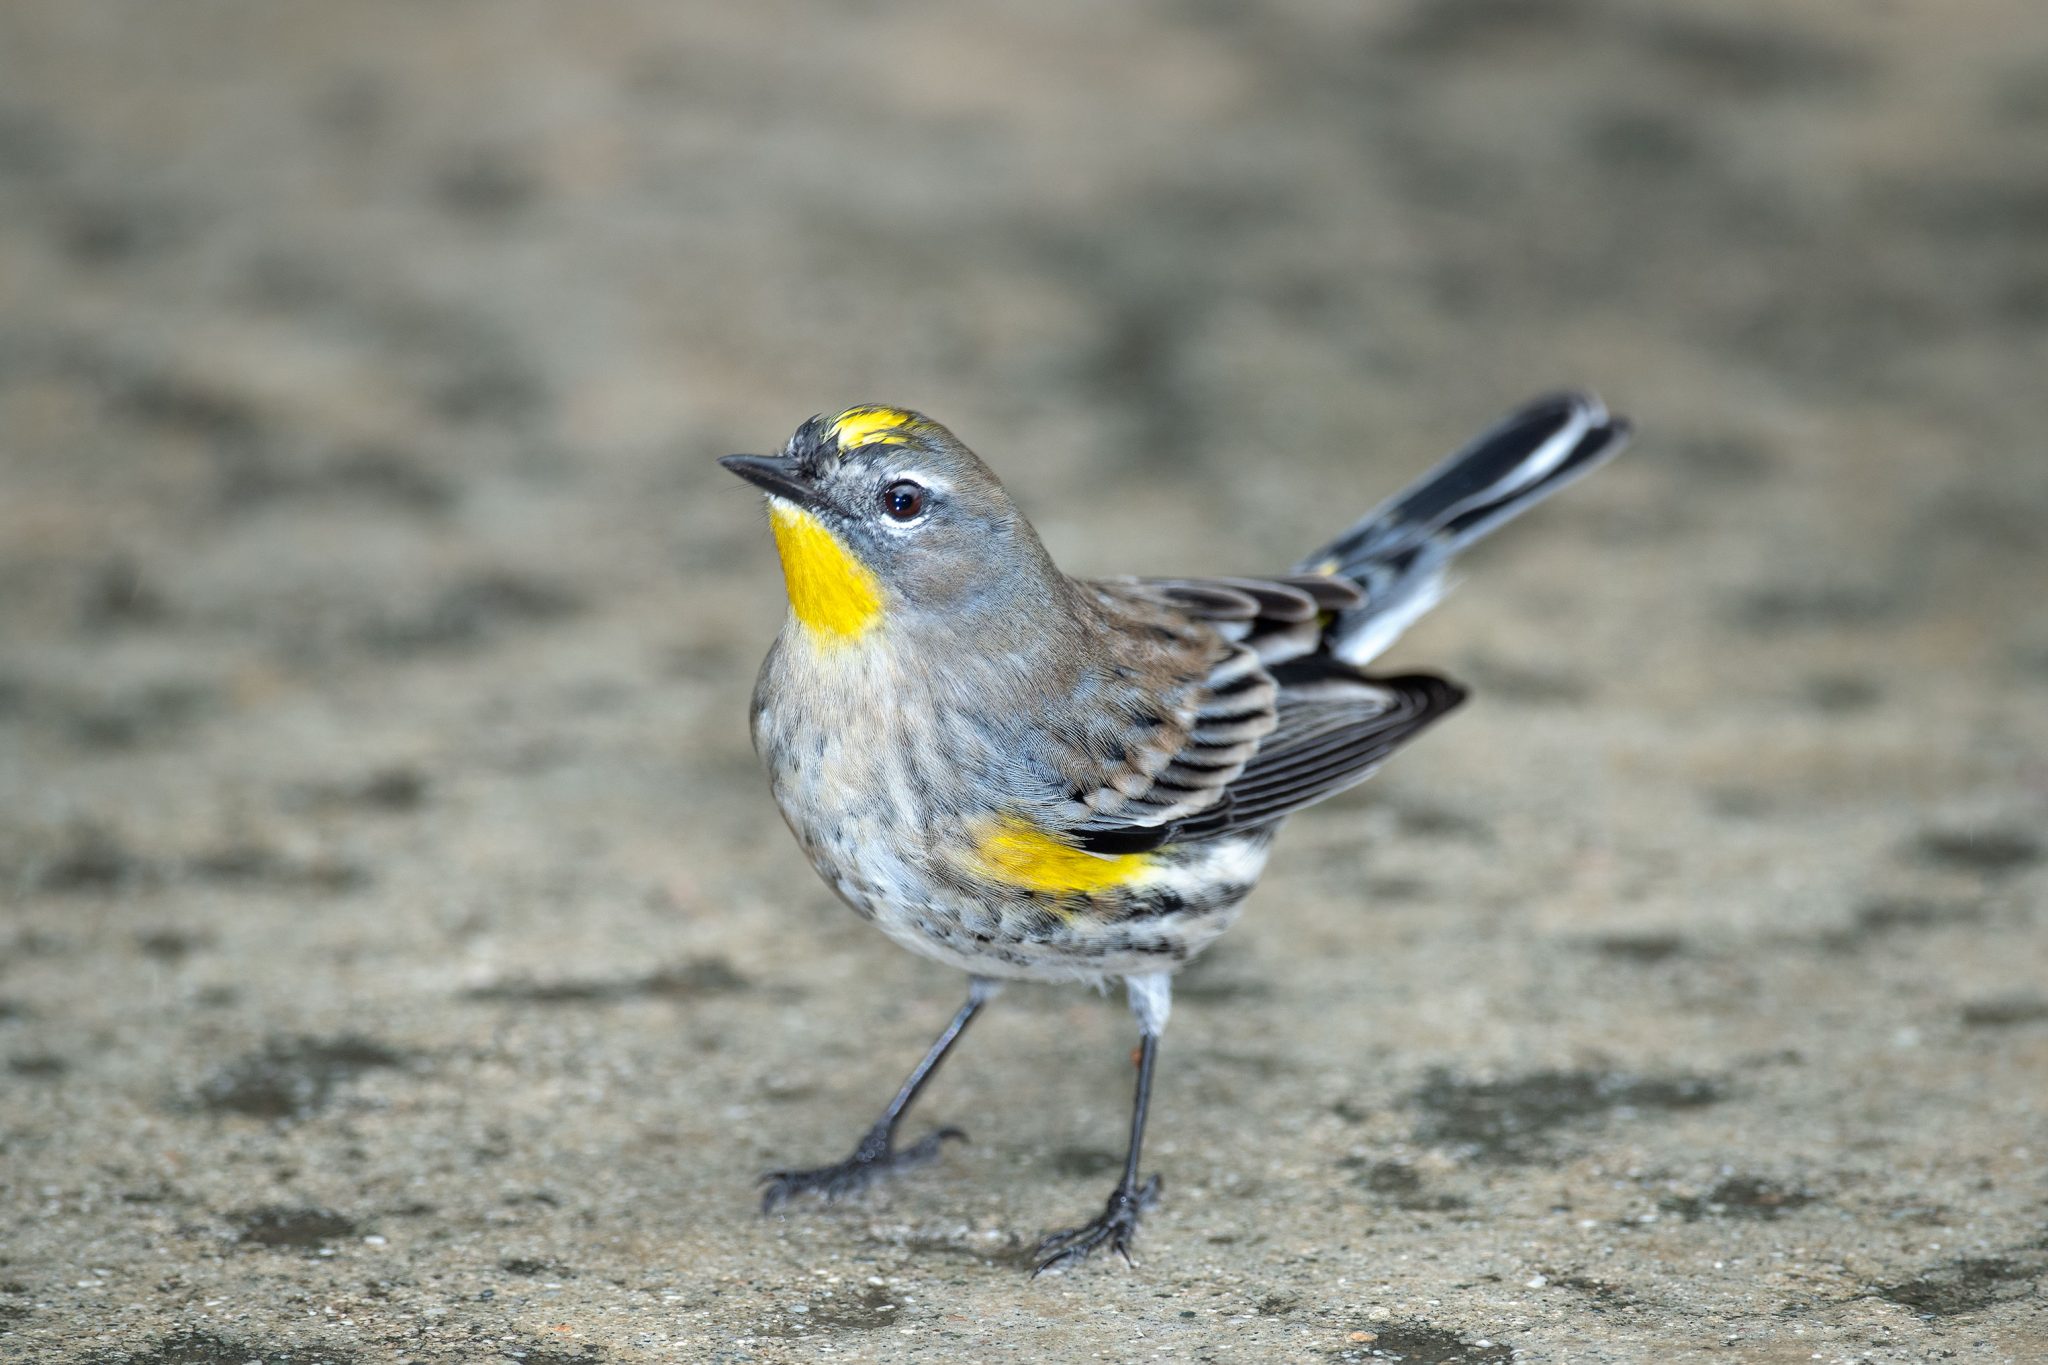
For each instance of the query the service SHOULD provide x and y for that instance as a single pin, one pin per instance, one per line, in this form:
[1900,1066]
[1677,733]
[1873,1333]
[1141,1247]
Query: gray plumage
[1027,775]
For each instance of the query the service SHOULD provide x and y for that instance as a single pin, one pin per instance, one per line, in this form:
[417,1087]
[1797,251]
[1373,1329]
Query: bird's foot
[877,1156]
[1115,1228]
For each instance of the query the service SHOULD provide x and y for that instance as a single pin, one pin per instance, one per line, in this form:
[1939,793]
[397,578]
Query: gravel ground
[400,958]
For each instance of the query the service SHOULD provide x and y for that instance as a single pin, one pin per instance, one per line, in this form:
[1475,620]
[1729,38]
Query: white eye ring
[904,501]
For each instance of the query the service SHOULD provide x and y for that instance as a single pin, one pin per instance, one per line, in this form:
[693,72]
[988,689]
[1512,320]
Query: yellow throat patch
[1015,852]
[830,591]
[871,426]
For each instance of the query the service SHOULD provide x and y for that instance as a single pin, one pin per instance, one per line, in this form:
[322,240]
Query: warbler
[1031,776]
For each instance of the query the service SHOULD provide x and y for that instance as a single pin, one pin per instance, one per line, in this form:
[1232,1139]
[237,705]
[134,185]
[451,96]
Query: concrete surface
[401,960]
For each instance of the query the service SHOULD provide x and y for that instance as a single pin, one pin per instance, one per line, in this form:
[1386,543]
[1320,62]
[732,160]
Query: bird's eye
[903,499]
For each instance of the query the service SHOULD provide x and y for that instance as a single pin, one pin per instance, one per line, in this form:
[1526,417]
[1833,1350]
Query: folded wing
[1224,716]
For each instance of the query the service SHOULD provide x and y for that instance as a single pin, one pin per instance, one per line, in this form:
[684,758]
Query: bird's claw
[874,1158]
[1115,1228]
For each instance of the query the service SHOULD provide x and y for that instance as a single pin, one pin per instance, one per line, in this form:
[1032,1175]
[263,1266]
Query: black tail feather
[1399,551]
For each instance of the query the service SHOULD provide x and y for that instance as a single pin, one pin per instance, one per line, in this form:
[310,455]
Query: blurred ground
[401,959]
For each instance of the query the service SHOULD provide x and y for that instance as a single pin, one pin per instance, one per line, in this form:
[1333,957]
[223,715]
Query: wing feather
[1247,722]
[1325,741]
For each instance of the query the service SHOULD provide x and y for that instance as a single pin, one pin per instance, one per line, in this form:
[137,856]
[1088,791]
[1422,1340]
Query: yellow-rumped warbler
[1027,775]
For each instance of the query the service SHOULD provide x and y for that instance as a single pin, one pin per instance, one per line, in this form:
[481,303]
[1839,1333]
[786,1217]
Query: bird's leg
[876,1154]
[1150,998]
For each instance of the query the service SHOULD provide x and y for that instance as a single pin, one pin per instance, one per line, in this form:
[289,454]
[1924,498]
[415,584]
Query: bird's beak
[780,475]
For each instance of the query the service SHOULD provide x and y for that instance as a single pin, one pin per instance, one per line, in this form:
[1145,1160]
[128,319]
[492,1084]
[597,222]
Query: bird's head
[881,510]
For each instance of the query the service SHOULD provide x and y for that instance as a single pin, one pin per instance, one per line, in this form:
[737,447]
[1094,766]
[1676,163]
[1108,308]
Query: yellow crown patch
[867,426]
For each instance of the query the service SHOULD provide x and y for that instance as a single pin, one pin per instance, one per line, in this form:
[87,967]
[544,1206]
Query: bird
[1031,776]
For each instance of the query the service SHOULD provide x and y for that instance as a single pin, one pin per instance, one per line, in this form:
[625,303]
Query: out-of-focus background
[401,960]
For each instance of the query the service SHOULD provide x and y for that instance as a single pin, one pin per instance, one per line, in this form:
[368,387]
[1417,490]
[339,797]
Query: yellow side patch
[871,426]
[830,591]
[1327,567]
[1017,853]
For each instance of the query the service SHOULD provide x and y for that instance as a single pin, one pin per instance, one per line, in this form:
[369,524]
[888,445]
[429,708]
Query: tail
[1400,551]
